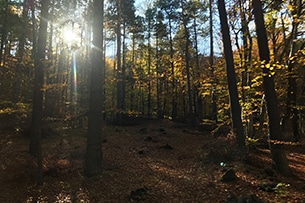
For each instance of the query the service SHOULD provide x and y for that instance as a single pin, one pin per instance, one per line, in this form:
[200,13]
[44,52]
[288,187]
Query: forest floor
[151,161]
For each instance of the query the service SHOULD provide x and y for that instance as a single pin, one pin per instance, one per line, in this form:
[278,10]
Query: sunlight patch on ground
[248,178]
[81,195]
[169,172]
[60,198]
[40,199]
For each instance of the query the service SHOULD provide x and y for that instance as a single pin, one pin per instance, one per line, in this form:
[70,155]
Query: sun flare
[69,36]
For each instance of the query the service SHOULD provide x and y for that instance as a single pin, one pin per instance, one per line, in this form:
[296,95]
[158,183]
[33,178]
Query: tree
[160,34]
[4,24]
[197,13]
[128,21]
[136,31]
[120,15]
[291,103]
[20,54]
[170,10]
[278,155]
[94,154]
[185,21]
[232,84]
[239,21]
[149,14]
[35,144]
[115,19]
[211,61]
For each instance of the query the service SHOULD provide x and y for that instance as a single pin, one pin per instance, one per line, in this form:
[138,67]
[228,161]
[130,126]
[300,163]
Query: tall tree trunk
[191,118]
[213,94]
[35,144]
[94,154]
[132,94]
[149,66]
[50,96]
[159,109]
[4,31]
[291,109]
[174,88]
[159,30]
[231,77]
[124,67]
[197,96]
[120,93]
[245,61]
[278,155]
[17,92]
[34,31]
[22,39]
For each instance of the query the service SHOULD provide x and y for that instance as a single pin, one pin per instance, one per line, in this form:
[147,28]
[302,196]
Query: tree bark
[245,62]
[120,90]
[185,19]
[4,30]
[278,155]
[291,103]
[149,16]
[174,88]
[94,154]
[211,60]
[231,77]
[39,57]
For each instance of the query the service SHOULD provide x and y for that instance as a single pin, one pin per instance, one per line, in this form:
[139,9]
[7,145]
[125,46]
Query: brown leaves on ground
[155,161]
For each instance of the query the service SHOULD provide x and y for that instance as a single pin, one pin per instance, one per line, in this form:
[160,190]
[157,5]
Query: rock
[138,194]
[161,130]
[229,176]
[148,139]
[143,130]
[167,146]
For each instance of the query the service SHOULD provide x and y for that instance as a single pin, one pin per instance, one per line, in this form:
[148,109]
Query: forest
[152,101]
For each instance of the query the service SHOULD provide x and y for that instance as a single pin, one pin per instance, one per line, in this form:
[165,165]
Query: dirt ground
[154,161]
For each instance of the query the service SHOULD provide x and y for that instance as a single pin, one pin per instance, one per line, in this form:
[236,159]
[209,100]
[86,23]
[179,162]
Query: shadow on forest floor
[151,161]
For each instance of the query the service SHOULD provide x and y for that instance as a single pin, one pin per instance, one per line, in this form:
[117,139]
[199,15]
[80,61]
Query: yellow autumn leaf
[267,66]
[290,7]
[297,20]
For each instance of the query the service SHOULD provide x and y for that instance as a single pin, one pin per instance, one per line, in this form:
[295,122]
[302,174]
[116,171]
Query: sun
[69,36]
[71,33]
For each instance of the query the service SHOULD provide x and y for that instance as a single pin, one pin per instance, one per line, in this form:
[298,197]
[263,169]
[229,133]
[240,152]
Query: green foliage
[281,188]
[252,143]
